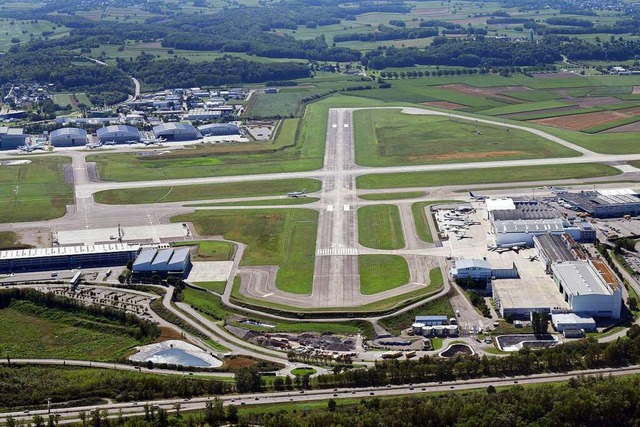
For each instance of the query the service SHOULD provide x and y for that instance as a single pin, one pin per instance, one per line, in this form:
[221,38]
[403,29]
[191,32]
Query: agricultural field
[379,273]
[72,99]
[485,176]
[35,191]
[32,331]
[392,138]
[206,191]
[282,237]
[24,31]
[380,227]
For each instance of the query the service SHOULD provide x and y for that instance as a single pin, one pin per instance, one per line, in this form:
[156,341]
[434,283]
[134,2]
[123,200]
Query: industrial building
[433,320]
[552,248]
[202,114]
[11,138]
[605,203]
[519,298]
[572,321]
[589,288]
[219,129]
[163,262]
[66,257]
[482,270]
[68,137]
[121,134]
[176,132]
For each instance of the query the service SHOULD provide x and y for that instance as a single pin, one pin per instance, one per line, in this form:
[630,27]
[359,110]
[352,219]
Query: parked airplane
[297,194]
[151,141]
[91,146]
[33,147]
[477,196]
[112,142]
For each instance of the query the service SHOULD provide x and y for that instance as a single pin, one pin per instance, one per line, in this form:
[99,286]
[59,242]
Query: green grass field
[36,191]
[392,196]
[270,202]
[397,323]
[32,331]
[379,273]
[205,191]
[380,227]
[212,286]
[303,371]
[485,176]
[211,250]
[522,108]
[212,307]
[282,237]
[392,138]
[284,154]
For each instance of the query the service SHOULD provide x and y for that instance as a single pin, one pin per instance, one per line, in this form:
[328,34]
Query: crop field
[380,227]
[282,237]
[392,138]
[32,331]
[587,121]
[35,191]
[485,176]
[26,30]
[206,191]
[63,99]
[379,273]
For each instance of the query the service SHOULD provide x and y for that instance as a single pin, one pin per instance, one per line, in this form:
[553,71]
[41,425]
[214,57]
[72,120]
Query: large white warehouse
[589,288]
[68,137]
[176,132]
[121,134]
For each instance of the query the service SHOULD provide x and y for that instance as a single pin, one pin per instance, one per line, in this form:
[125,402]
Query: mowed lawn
[182,193]
[282,237]
[379,273]
[31,331]
[392,138]
[294,149]
[211,250]
[380,227]
[36,191]
[485,176]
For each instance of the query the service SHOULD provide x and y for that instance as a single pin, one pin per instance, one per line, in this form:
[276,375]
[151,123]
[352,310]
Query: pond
[174,352]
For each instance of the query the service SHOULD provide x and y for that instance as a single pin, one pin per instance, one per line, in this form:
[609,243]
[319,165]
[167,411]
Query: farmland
[282,237]
[34,191]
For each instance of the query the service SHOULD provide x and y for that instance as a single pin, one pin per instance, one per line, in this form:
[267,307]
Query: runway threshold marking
[334,125]
[346,125]
[329,208]
[346,208]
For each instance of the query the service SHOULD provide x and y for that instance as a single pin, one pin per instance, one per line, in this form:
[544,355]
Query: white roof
[580,278]
[505,204]
[571,318]
[471,263]
[67,250]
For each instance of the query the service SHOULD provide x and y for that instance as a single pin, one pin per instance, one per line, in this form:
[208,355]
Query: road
[69,415]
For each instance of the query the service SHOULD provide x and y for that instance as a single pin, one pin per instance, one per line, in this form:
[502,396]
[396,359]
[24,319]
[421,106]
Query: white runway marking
[267,295]
[337,251]
[346,125]
[334,125]
[346,208]
[329,208]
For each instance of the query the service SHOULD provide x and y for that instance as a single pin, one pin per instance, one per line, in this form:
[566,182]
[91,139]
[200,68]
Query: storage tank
[416,328]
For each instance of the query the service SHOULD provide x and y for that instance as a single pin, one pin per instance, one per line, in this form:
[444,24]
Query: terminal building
[605,203]
[162,262]
[68,137]
[176,132]
[11,138]
[219,129]
[589,288]
[121,134]
[66,257]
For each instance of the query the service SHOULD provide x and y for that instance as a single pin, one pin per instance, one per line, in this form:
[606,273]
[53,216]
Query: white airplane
[112,142]
[297,194]
[33,147]
[151,141]
[91,146]
[479,197]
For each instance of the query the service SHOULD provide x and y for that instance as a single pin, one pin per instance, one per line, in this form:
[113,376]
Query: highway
[69,415]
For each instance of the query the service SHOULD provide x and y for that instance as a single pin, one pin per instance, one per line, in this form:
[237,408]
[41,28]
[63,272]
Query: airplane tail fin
[471,194]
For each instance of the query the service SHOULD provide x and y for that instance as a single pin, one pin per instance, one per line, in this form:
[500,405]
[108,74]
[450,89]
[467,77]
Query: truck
[392,355]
